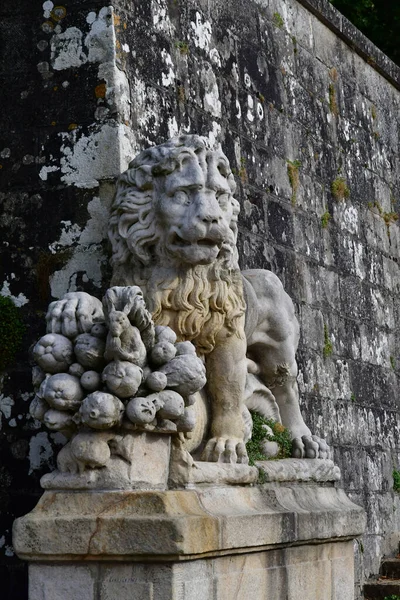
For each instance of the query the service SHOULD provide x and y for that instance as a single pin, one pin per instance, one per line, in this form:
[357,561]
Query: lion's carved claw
[225,450]
[310,446]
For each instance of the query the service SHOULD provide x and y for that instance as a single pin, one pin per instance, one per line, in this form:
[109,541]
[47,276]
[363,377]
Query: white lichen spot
[67,49]
[44,171]
[9,551]
[173,128]
[103,154]
[19,300]
[350,219]
[5,153]
[12,423]
[250,106]
[161,20]
[117,91]
[201,32]
[91,17]
[6,404]
[239,110]
[214,133]
[235,72]
[40,451]
[260,111]
[168,78]
[100,41]
[247,80]
[47,8]
[214,57]
[211,101]
[87,258]
[70,234]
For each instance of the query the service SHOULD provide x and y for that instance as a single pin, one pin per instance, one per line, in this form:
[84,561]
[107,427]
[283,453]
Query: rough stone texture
[276,85]
[262,575]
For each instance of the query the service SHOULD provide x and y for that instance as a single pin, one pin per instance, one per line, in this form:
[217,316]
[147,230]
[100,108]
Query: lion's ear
[144,177]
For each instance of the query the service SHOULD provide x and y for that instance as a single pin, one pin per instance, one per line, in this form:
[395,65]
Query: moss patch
[339,189]
[396,480]
[277,19]
[328,347]
[281,436]
[325,219]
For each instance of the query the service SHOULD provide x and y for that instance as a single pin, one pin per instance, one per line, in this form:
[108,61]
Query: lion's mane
[205,297]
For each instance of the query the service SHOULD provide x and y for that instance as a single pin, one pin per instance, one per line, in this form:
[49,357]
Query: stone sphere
[91,381]
[63,392]
[162,353]
[53,353]
[173,405]
[57,420]
[122,378]
[89,351]
[141,410]
[156,381]
[101,410]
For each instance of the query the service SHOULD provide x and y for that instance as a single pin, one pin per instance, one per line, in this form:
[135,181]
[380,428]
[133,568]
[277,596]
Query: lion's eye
[223,199]
[181,197]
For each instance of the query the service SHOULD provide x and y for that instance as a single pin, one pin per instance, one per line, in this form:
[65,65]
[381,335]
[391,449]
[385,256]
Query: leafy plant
[280,435]
[396,480]
[325,219]
[339,189]
[293,174]
[328,347]
[182,47]
[278,21]
[11,331]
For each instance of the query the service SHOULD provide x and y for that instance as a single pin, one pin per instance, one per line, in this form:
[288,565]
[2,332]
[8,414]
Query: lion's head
[173,231]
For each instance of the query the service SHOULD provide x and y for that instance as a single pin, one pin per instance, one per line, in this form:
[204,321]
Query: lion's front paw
[226,450]
[310,446]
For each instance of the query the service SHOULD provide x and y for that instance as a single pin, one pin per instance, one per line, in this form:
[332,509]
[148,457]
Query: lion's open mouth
[205,242]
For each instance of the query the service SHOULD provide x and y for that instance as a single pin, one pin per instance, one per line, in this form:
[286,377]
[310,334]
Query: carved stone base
[265,542]
[146,467]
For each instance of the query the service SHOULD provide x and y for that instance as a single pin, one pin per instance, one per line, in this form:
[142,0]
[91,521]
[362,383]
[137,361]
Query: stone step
[381,589]
[390,567]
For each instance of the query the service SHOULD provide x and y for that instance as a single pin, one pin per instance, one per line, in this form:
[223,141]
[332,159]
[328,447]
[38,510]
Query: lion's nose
[209,211]
[209,218]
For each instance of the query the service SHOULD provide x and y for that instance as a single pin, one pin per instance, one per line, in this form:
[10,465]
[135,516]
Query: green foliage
[281,436]
[339,189]
[278,21]
[379,21]
[353,397]
[325,219]
[389,217]
[392,597]
[11,331]
[182,47]
[328,347]
[396,480]
[393,362]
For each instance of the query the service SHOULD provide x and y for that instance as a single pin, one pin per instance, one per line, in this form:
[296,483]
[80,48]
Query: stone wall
[306,110]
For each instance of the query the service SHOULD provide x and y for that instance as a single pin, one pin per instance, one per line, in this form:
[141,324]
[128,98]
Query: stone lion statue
[173,231]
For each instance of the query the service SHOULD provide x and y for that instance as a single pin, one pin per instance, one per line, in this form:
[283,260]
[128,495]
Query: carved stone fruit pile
[109,377]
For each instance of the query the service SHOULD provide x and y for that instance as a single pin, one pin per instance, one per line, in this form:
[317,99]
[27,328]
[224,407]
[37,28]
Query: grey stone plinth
[309,572]
[182,524]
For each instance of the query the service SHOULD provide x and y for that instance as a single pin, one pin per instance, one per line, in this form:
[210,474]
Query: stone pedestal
[266,542]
